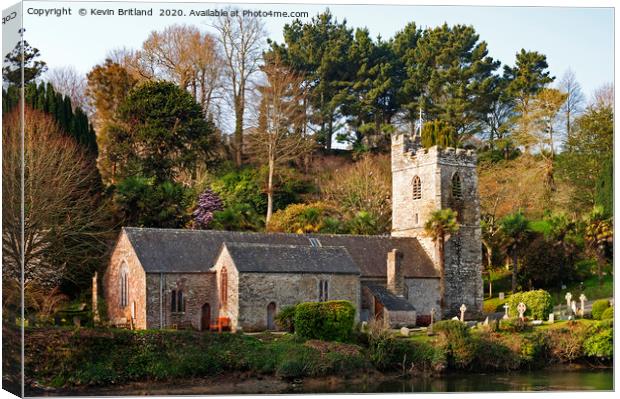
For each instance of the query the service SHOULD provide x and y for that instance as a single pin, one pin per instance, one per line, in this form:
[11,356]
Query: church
[180,278]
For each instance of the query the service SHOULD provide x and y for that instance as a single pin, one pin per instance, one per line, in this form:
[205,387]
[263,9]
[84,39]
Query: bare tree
[279,137]
[181,54]
[69,82]
[64,220]
[604,96]
[574,100]
[241,39]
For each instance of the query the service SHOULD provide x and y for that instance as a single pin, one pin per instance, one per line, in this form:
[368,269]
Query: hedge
[285,319]
[608,313]
[538,304]
[598,307]
[327,321]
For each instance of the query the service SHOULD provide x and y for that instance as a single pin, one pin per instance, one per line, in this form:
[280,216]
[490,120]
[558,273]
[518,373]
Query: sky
[581,39]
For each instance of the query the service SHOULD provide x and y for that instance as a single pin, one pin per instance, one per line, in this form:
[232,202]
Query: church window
[223,287]
[177,301]
[457,191]
[417,188]
[323,290]
[416,219]
[124,286]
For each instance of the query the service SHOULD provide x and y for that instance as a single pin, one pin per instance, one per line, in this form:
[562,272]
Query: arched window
[124,286]
[457,192]
[417,188]
[223,287]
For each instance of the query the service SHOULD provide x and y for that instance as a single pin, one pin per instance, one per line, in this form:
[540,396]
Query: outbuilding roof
[278,258]
[182,250]
[389,300]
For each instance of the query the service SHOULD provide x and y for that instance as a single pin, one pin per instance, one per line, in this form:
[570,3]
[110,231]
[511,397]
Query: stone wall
[436,168]
[399,318]
[257,290]
[198,289]
[229,309]
[123,257]
[423,294]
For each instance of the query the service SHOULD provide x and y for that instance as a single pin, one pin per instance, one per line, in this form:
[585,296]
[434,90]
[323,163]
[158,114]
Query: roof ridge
[368,236]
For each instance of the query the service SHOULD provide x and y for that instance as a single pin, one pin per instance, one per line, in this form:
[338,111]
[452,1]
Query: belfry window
[457,191]
[417,188]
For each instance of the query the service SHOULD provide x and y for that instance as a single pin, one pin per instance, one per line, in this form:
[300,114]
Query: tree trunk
[442,276]
[514,271]
[270,191]
[238,133]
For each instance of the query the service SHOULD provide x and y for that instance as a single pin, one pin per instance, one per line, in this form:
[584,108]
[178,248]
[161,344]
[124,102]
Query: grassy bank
[70,358]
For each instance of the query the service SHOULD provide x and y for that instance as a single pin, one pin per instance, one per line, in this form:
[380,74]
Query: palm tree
[598,236]
[439,227]
[516,230]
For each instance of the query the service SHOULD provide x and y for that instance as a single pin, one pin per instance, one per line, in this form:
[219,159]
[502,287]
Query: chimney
[395,278]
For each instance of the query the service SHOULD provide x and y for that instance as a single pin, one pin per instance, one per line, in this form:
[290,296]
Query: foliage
[285,319]
[142,201]
[457,343]
[72,120]
[208,204]
[161,133]
[68,221]
[600,344]
[538,302]
[22,66]
[566,344]
[329,321]
[608,313]
[599,307]
[238,217]
[604,196]
[438,133]
[513,325]
[544,265]
[316,217]
[361,192]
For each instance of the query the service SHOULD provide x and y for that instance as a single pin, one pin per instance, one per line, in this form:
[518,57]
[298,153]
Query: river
[539,380]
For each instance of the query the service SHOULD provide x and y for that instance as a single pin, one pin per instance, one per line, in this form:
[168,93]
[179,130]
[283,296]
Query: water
[540,380]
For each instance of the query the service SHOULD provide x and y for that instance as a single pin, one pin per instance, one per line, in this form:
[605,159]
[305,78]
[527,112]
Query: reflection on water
[539,380]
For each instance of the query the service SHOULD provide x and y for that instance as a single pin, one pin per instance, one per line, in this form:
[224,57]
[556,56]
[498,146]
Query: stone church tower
[426,180]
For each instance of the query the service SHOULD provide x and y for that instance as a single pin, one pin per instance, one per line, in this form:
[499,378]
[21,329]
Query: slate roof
[273,258]
[174,250]
[388,299]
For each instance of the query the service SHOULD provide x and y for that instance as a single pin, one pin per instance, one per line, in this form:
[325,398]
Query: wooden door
[271,316]
[205,319]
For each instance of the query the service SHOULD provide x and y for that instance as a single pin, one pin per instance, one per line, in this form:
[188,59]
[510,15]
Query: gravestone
[486,321]
[521,308]
[551,318]
[506,307]
[573,306]
[582,299]
[404,331]
[430,326]
[501,296]
[364,326]
[463,308]
[568,297]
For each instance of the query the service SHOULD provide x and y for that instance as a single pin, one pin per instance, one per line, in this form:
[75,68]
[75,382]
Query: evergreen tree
[26,55]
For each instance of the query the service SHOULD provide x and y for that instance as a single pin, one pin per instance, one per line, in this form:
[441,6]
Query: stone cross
[583,298]
[521,308]
[568,297]
[463,308]
[430,326]
[506,307]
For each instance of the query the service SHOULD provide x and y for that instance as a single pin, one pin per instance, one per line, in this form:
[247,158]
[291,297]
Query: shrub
[600,344]
[513,325]
[538,303]
[598,307]
[493,354]
[566,344]
[608,313]
[457,343]
[285,319]
[328,321]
